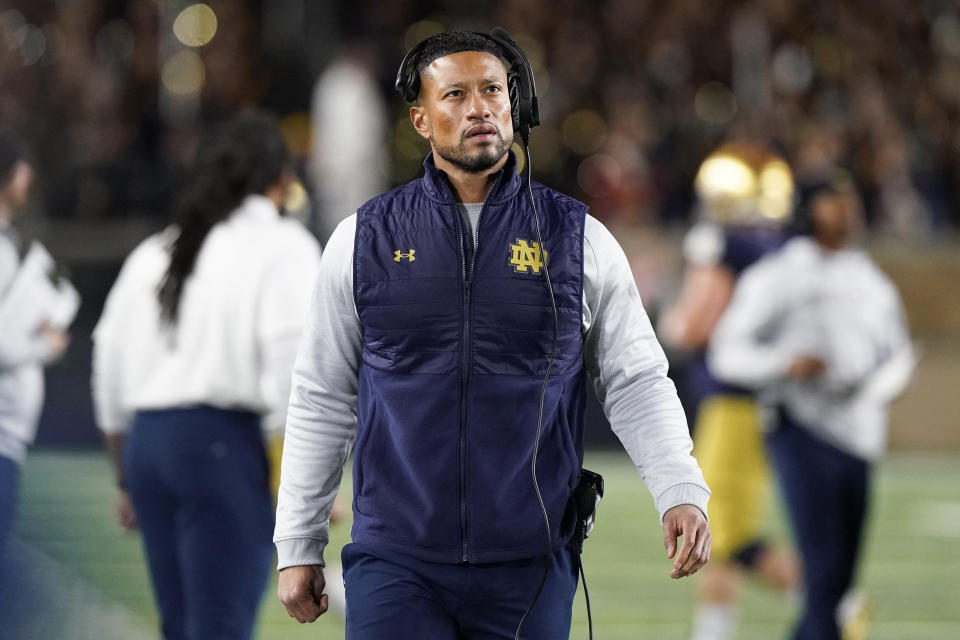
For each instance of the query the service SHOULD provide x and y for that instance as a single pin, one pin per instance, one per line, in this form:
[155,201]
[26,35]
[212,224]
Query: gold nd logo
[525,256]
[408,255]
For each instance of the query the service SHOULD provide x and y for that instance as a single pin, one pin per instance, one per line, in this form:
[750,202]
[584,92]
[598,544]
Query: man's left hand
[686,521]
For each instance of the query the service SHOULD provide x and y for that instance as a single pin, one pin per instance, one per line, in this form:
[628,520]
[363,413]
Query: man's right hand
[806,367]
[58,341]
[126,516]
[301,592]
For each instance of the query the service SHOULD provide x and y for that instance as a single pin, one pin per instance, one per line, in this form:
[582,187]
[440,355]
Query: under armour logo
[525,256]
[408,255]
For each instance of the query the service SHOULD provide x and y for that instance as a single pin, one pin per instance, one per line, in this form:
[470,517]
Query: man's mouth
[481,132]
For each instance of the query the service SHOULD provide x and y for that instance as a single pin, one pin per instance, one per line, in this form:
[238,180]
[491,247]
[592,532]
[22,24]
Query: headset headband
[525,108]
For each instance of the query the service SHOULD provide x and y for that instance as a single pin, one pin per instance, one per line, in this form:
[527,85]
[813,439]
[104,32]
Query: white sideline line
[67,606]
[941,518]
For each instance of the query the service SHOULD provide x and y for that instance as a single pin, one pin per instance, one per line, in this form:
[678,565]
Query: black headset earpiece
[513,89]
[524,107]
[408,80]
[520,84]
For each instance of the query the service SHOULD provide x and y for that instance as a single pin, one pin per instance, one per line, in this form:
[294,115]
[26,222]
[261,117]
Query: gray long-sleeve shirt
[623,360]
[21,364]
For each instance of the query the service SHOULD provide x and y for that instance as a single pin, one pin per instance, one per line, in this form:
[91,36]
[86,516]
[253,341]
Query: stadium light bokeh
[196,25]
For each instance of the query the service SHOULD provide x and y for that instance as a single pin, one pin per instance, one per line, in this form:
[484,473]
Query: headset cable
[536,442]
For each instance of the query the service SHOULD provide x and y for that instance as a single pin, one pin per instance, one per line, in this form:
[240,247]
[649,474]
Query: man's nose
[477,106]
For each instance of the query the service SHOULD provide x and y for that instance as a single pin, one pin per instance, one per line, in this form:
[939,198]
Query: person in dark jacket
[438,349]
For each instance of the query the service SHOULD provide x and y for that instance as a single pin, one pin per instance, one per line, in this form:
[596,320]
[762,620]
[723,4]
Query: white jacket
[241,314]
[804,300]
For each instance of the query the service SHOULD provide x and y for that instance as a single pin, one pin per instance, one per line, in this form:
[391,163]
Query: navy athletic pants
[9,486]
[826,493]
[199,485]
[394,597]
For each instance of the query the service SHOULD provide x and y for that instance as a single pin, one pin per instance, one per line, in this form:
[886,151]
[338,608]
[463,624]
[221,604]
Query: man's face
[17,189]
[837,218]
[464,110]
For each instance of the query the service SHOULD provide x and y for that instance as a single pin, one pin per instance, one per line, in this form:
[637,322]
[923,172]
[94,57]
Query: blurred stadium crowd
[111,95]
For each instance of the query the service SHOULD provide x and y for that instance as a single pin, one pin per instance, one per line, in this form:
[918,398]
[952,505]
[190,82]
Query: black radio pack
[586,498]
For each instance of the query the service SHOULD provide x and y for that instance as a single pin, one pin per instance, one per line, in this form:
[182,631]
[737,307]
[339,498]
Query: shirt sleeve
[283,311]
[737,354]
[108,343]
[18,345]
[889,372]
[18,349]
[321,419]
[628,371]
[856,355]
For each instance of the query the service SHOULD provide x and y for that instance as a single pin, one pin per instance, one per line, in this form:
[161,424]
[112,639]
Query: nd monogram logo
[525,256]
[408,255]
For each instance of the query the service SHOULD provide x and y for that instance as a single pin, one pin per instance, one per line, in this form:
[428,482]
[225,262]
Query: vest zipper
[465,348]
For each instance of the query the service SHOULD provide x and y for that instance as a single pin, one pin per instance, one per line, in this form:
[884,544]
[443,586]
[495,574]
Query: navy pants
[9,486]
[826,493]
[394,597]
[199,485]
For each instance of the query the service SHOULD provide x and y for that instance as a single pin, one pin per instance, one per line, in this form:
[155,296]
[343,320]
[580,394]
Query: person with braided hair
[192,363]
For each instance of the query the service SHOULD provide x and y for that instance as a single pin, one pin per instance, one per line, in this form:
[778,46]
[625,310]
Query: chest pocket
[407,289]
[512,314]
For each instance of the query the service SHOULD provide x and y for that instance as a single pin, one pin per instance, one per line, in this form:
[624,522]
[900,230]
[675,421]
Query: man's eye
[453,94]
[494,88]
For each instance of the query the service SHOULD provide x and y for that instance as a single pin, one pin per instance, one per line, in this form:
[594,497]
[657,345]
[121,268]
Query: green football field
[85,578]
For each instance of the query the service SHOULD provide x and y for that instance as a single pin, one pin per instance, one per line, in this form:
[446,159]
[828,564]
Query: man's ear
[420,120]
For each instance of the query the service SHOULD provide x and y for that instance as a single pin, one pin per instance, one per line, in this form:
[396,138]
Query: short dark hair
[11,152]
[449,42]
[836,181]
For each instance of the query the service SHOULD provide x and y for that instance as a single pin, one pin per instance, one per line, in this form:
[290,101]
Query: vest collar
[437,186]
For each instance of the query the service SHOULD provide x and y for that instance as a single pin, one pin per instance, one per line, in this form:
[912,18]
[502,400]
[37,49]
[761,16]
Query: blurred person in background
[192,362]
[26,344]
[448,536]
[819,331]
[348,162]
[746,199]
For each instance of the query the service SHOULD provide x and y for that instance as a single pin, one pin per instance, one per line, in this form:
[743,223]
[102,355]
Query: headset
[525,113]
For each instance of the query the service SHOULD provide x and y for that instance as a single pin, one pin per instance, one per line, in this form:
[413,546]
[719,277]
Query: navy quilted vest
[455,346]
